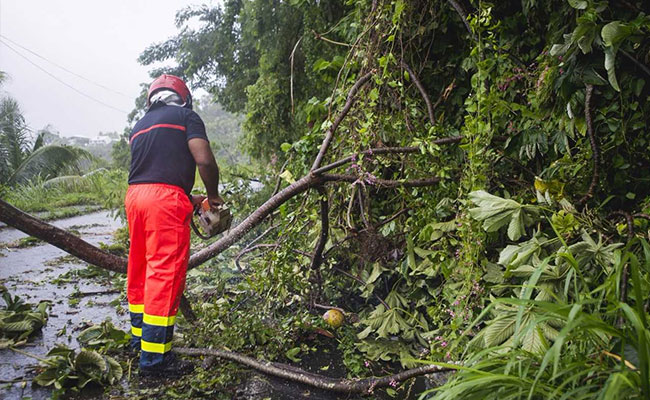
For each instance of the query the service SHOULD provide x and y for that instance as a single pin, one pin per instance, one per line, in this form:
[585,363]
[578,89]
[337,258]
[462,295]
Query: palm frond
[49,161]
[14,138]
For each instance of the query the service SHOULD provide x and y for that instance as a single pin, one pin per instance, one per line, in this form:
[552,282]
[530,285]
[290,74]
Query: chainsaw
[212,221]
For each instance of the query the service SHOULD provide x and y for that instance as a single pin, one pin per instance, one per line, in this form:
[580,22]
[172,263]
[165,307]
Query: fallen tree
[314,179]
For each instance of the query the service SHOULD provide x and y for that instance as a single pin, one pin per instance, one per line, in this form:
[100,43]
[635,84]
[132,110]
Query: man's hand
[197,199]
[215,202]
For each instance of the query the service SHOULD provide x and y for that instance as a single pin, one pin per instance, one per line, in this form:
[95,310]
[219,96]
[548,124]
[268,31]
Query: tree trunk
[60,238]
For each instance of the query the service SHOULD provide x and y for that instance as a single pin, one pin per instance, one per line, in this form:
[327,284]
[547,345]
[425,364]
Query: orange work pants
[158,216]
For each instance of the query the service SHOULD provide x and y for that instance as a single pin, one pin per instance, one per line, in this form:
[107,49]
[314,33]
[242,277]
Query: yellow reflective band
[160,348]
[136,308]
[136,331]
[158,321]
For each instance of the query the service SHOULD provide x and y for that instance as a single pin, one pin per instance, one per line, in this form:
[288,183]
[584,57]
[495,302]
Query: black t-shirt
[159,151]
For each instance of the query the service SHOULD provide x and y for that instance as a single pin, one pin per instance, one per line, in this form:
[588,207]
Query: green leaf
[292,353]
[610,61]
[376,272]
[287,176]
[578,4]
[285,147]
[321,65]
[496,212]
[615,32]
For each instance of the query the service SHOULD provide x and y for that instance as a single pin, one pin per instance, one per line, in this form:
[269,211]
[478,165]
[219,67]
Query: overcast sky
[98,40]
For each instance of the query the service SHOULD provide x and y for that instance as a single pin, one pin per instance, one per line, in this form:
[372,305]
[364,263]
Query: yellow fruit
[334,318]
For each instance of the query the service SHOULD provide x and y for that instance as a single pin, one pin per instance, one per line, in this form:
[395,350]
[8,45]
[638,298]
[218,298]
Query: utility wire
[63,68]
[61,81]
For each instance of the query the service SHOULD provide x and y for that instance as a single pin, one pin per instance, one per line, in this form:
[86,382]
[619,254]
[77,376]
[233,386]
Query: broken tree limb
[384,150]
[254,219]
[383,183]
[346,109]
[60,238]
[423,91]
[289,372]
[308,181]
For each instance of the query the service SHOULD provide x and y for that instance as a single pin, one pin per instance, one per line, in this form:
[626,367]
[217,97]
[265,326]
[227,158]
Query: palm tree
[20,159]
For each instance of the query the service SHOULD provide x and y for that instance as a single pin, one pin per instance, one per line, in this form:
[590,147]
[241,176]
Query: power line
[64,68]
[61,81]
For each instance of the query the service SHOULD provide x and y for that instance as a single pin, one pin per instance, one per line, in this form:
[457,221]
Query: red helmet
[170,82]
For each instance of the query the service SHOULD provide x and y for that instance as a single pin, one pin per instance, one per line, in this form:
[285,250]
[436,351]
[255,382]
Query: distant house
[78,141]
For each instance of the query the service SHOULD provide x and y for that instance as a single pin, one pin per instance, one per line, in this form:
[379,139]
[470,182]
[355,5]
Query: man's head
[172,83]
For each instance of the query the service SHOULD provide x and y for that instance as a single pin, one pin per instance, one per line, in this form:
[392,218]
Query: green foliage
[252,67]
[496,212]
[19,320]
[69,372]
[500,265]
[103,188]
[104,337]
[22,159]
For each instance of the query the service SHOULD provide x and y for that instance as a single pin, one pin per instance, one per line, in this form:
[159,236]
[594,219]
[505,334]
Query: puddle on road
[29,273]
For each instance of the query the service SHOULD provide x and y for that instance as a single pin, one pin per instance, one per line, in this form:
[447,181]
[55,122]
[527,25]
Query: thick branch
[463,16]
[346,109]
[254,219]
[317,258]
[423,92]
[594,146]
[315,380]
[384,150]
[60,238]
[385,183]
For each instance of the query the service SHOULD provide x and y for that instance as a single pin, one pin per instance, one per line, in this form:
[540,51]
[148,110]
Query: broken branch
[384,183]
[60,238]
[70,243]
[322,382]
[346,109]
[423,92]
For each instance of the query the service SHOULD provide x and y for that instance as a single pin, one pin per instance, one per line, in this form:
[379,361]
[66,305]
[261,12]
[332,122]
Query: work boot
[172,367]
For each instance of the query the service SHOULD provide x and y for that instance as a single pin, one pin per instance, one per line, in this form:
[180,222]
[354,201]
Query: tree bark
[289,372]
[60,238]
[346,108]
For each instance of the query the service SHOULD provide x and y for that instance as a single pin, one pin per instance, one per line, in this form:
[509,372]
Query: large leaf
[496,212]
[514,255]
[613,34]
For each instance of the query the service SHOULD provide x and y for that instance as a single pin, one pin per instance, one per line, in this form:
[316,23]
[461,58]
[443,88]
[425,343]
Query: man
[167,145]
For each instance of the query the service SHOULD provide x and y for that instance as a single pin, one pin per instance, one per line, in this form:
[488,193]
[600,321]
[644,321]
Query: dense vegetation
[534,242]
[523,256]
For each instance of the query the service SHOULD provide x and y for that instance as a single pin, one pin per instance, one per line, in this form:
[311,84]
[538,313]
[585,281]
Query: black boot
[172,367]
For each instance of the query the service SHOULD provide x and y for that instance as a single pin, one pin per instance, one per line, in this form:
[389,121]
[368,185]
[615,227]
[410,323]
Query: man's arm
[208,168]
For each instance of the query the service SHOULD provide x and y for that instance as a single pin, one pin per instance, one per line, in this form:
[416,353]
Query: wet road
[29,272]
